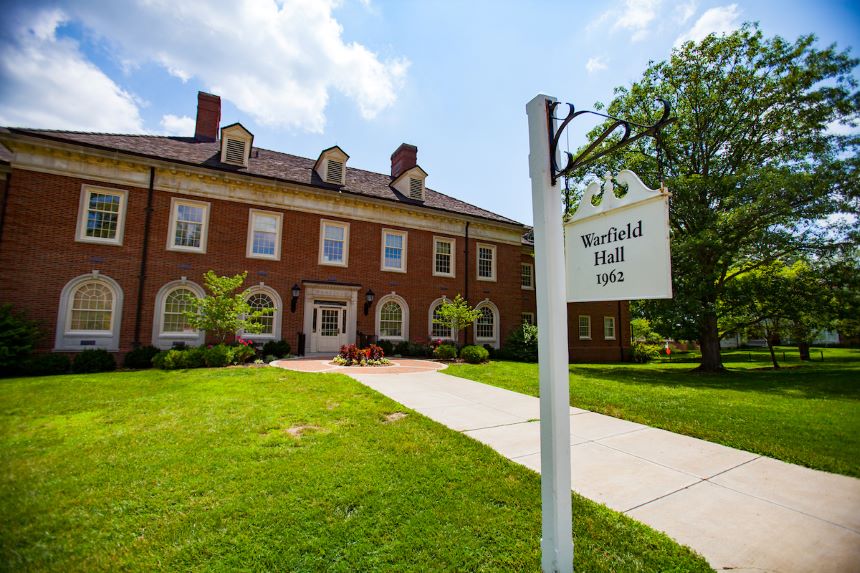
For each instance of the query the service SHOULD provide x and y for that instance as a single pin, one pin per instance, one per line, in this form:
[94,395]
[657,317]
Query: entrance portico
[330,311]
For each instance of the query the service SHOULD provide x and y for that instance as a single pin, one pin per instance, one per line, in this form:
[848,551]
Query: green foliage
[218,356]
[224,312]
[522,344]
[45,364]
[276,348]
[456,314]
[387,347]
[474,354]
[18,337]
[642,330]
[445,352]
[93,360]
[180,359]
[140,357]
[243,351]
[644,352]
[753,166]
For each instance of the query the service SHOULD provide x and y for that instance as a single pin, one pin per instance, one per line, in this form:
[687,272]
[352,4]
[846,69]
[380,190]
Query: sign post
[556,517]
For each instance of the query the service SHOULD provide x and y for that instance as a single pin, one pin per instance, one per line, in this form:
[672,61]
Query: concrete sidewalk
[741,511]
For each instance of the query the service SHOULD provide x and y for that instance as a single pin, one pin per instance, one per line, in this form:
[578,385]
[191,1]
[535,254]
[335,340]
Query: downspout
[5,202]
[143,258]
[618,333]
[466,280]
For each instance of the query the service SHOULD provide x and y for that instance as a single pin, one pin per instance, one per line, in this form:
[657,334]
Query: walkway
[741,511]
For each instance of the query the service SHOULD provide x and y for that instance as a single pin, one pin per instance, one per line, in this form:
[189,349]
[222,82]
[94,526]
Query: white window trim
[83,208]
[175,202]
[494,340]
[277,315]
[70,340]
[478,247]
[165,340]
[531,314]
[453,243]
[614,327]
[578,328]
[382,266]
[249,251]
[433,305]
[532,267]
[345,262]
[403,307]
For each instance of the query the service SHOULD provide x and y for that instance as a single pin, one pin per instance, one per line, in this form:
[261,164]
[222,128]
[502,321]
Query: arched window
[261,297]
[170,322]
[438,330]
[90,314]
[487,324]
[392,318]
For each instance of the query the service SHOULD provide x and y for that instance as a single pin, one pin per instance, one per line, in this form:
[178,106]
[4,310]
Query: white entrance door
[330,332]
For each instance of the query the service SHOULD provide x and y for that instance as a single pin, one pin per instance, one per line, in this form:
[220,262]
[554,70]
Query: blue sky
[451,77]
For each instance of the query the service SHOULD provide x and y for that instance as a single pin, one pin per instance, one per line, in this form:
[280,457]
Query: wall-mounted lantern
[368,300]
[295,292]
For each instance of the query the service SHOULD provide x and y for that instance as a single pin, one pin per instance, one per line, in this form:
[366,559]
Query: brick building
[102,236]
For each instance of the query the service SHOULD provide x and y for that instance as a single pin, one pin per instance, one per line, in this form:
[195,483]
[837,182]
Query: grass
[263,469]
[808,415]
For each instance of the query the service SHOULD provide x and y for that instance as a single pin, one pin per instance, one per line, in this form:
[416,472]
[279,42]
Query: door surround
[329,292]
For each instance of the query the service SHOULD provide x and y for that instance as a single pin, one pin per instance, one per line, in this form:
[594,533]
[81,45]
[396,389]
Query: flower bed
[351,355]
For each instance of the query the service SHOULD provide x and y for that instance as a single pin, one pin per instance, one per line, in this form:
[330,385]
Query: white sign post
[557,539]
[619,249]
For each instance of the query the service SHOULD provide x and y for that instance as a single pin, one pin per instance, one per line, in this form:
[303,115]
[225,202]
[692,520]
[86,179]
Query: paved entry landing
[324,364]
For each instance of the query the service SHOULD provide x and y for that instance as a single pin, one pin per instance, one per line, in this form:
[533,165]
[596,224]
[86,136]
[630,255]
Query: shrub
[419,350]
[351,355]
[140,358]
[402,348]
[218,356]
[93,360]
[158,360]
[269,359]
[45,365]
[18,337]
[180,359]
[474,354]
[243,350]
[643,353]
[276,348]
[445,352]
[374,352]
[522,344]
[387,347]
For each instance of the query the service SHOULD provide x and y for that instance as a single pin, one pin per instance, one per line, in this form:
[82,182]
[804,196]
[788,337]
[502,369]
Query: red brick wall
[39,255]
[598,349]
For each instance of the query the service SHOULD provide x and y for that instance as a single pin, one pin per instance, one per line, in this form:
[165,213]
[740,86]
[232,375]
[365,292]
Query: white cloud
[277,61]
[46,81]
[720,20]
[686,11]
[634,17]
[175,125]
[595,64]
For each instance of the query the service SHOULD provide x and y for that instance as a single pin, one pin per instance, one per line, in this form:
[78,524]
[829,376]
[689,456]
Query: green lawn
[199,470]
[807,414]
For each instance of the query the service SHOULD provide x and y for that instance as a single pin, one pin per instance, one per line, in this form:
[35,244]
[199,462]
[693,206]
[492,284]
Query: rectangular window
[334,243]
[528,318]
[394,250]
[486,262]
[528,276]
[264,235]
[188,225]
[609,327]
[443,257]
[101,216]
[584,327]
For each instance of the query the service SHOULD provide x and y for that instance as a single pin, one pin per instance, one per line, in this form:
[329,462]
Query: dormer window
[236,142]
[416,189]
[331,166]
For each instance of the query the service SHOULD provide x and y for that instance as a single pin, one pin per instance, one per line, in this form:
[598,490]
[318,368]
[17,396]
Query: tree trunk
[772,353]
[709,339]
[803,347]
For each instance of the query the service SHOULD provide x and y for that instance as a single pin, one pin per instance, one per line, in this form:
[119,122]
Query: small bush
[276,348]
[18,337]
[45,365]
[522,344]
[158,360]
[140,358]
[374,352]
[387,347]
[419,350]
[93,360]
[445,352]
[643,353]
[474,354]
[243,351]
[351,355]
[218,356]
[402,348]
[269,359]
[180,359]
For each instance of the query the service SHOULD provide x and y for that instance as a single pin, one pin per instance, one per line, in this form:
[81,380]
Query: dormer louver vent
[235,151]
[416,189]
[334,172]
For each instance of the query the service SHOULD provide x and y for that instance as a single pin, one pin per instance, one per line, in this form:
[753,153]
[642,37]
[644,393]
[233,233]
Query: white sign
[619,249]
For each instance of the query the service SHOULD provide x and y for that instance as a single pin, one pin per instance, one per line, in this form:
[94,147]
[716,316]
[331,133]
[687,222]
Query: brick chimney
[403,159]
[208,117]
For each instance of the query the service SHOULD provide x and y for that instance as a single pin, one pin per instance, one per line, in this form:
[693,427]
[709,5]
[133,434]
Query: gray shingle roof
[263,163]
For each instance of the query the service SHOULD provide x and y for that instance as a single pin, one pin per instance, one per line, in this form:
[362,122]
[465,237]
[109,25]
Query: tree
[752,162]
[18,338]
[456,314]
[223,312]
